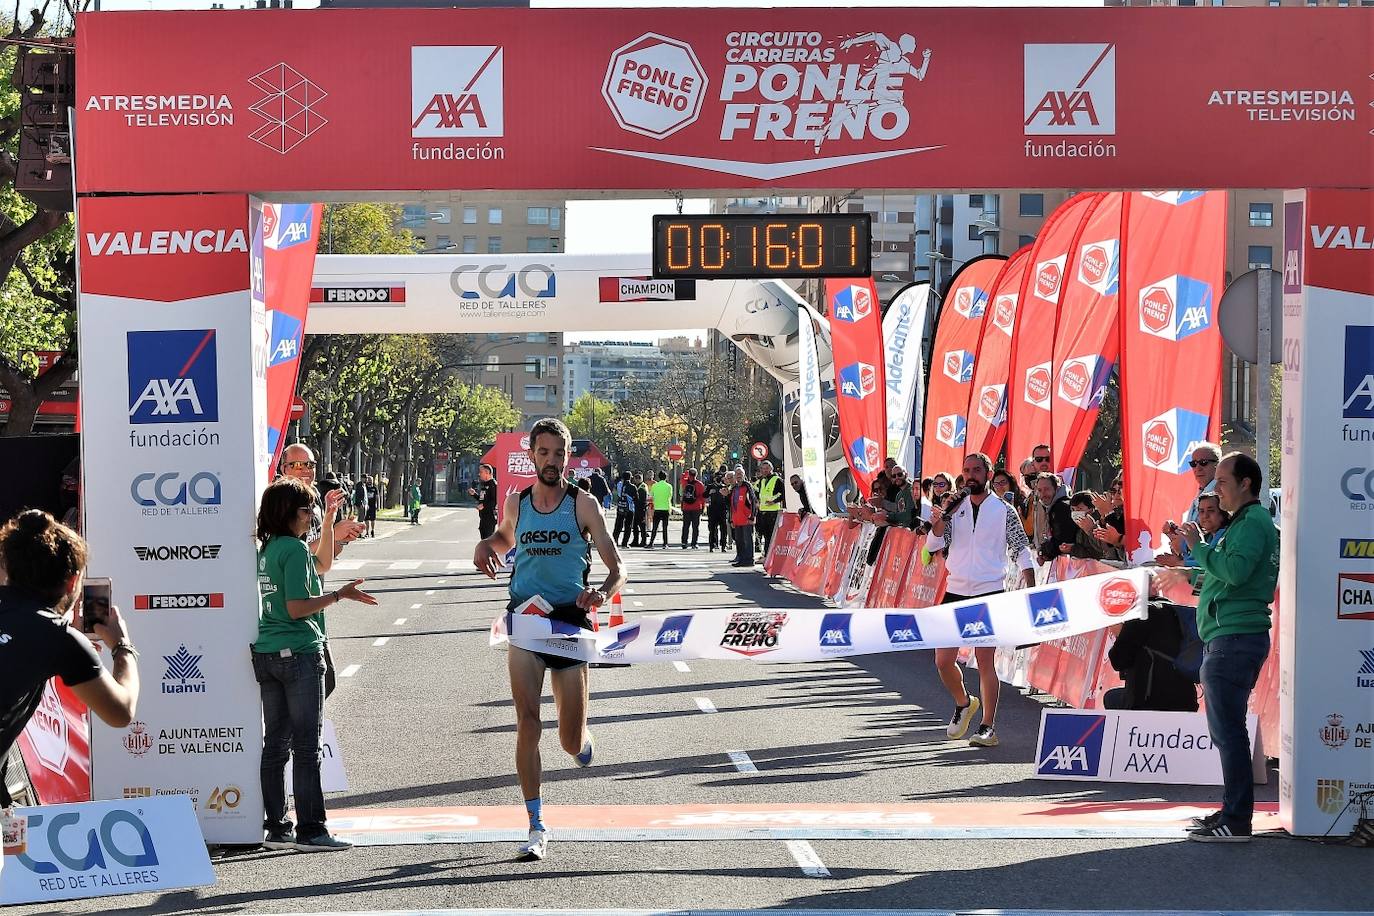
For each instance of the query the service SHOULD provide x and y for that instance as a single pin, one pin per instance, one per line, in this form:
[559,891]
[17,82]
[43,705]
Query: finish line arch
[182,115]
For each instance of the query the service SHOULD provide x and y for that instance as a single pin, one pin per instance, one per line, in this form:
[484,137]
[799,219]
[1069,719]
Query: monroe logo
[178,602]
[753,632]
[178,552]
[166,241]
[1070,89]
[1353,238]
[457,91]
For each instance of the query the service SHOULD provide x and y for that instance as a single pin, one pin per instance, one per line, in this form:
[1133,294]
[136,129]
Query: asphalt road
[424,720]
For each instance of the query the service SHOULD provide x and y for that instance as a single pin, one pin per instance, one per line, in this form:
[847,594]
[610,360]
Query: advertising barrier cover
[105,848]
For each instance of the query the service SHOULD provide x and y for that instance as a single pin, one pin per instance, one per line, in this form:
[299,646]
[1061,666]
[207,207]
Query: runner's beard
[550,475]
[975,487]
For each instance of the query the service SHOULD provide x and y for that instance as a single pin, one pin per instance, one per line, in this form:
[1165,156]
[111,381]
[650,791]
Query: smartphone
[95,602]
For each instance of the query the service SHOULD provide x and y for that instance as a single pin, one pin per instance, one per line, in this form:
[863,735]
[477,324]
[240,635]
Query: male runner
[550,525]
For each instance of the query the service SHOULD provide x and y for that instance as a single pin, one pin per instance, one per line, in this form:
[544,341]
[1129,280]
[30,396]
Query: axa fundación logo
[1070,91]
[457,93]
[289,108]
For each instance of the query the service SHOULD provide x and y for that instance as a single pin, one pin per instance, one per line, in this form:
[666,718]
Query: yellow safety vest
[770,495]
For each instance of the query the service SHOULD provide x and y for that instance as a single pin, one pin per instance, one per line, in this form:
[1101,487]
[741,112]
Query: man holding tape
[552,526]
[982,534]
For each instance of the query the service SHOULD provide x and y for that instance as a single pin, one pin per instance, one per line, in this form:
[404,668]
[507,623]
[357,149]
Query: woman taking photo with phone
[288,662]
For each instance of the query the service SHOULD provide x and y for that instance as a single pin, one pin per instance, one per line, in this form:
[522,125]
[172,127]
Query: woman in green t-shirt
[288,662]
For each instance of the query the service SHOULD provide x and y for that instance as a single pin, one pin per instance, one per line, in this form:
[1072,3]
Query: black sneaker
[1220,833]
[1209,820]
[322,843]
[283,840]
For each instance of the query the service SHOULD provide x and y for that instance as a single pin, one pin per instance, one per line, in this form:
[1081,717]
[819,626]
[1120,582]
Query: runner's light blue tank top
[552,557]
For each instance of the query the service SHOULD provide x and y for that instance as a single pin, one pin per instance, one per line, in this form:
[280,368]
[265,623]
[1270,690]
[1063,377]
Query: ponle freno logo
[1049,277]
[1004,312]
[992,403]
[952,430]
[1170,439]
[858,380]
[1038,386]
[959,365]
[1097,266]
[1070,89]
[1117,596]
[457,91]
[777,86]
[1176,307]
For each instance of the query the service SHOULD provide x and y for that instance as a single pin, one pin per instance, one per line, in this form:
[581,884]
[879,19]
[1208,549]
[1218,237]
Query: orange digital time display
[706,246]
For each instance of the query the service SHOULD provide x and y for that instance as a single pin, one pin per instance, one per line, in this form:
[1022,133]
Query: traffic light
[734,456]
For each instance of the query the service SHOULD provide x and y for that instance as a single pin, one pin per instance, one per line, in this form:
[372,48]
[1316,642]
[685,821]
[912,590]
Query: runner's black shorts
[563,613]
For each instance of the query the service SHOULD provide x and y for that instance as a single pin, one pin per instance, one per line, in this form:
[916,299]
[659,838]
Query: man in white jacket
[982,535]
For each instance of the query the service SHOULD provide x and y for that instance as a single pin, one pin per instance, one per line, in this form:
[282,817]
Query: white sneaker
[538,844]
[963,718]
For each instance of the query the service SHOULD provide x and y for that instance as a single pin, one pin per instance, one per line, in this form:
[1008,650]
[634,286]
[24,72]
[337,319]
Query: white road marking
[458,564]
[344,565]
[400,621]
[705,705]
[682,666]
[810,863]
[381,640]
[349,671]
[638,603]
[428,593]
[406,564]
[415,607]
[441,581]
[741,761]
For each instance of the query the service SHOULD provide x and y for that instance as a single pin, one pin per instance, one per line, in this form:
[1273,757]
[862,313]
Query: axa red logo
[1117,597]
[166,241]
[457,91]
[1070,89]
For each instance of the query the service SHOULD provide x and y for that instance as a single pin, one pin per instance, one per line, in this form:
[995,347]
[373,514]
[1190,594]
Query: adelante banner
[1015,618]
[988,406]
[809,414]
[1086,342]
[1174,256]
[957,332]
[856,340]
[903,329]
[1030,397]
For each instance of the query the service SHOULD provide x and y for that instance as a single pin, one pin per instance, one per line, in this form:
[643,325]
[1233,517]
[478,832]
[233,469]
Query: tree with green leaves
[591,417]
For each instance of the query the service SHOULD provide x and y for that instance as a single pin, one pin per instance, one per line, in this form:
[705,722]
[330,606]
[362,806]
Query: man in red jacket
[693,501]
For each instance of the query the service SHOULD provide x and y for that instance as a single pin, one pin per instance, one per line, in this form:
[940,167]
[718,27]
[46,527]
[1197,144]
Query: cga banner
[809,415]
[856,339]
[101,849]
[951,372]
[1086,342]
[284,243]
[1171,279]
[809,634]
[988,406]
[904,327]
[1031,378]
[173,392]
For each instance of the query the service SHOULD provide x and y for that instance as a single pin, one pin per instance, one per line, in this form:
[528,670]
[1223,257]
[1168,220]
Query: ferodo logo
[1004,312]
[166,241]
[1117,596]
[358,295]
[1070,89]
[1098,266]
[178,601]
[1038,386]
[1049,276]
[457,91]
[1176,307]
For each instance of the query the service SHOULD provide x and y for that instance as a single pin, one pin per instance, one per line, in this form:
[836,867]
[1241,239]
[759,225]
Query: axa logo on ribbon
[457,91]
[173,377]
[1070,89]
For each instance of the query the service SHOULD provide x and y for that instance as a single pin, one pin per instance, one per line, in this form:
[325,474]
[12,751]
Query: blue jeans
[1230,667]
[292,712]
[744,545]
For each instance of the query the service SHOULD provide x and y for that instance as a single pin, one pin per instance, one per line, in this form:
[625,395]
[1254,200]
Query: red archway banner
[274,100]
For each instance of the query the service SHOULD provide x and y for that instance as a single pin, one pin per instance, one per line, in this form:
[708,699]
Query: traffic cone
[617,614]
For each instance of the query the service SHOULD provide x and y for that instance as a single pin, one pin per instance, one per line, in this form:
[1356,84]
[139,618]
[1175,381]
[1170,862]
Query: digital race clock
[704,247]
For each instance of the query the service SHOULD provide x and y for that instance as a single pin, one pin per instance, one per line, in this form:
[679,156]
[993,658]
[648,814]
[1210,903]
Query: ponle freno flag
[1086,343]
[1172,267]
[951,366]
[988,405]
[903,327]
[1030,395]
[856,339]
